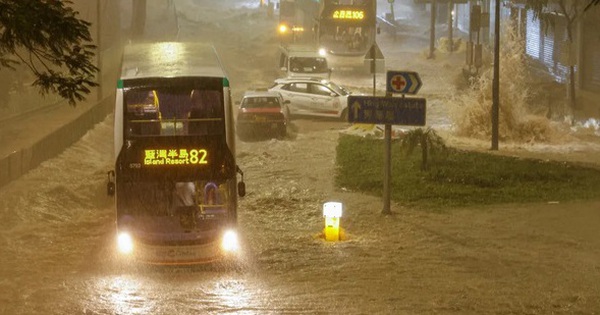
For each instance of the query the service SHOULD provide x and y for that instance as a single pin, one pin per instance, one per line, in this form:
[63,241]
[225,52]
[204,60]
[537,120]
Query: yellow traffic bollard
[332,211]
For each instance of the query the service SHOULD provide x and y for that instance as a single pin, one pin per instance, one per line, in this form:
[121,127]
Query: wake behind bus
[175,179]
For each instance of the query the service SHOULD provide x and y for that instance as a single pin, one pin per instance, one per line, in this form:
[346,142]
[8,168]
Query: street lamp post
[496,81]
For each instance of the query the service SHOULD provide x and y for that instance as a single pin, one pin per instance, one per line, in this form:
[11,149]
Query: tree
[592,2]
[429,141]
[47,37]
[571,10]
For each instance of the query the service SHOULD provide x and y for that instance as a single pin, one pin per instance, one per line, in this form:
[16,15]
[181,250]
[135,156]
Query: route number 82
[198,156]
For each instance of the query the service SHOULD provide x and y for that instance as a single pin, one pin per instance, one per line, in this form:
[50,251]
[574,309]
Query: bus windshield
[168,111]
[165,198]
[347,27]
[308,64]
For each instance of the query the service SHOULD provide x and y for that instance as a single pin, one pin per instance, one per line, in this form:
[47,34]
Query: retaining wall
[22,161]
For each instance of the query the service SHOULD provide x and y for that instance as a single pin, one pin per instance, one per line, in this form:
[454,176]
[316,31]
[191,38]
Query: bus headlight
[230,242]
[125,243]
[322,52]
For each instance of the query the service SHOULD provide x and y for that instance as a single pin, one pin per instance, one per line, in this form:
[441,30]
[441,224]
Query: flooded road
[57,225]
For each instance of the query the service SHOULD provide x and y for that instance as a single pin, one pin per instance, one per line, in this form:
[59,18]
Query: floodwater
[57,224]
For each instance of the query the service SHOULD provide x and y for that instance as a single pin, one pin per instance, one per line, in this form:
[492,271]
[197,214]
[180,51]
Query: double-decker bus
[347,27]
[297,21]
[175,179]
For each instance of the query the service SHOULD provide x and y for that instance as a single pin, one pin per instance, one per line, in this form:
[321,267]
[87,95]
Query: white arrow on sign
[414,77]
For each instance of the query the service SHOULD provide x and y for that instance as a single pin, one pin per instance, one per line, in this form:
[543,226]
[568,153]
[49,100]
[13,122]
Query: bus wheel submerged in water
[175,180]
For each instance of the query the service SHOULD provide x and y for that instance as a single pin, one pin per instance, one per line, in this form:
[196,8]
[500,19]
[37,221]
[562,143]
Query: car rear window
[260,102]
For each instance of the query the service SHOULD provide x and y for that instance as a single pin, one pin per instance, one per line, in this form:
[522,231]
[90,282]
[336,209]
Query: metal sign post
[387,166]
[376,62]
[373,67]
[390,111]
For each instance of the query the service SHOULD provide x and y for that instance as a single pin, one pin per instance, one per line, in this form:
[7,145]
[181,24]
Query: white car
[313,97]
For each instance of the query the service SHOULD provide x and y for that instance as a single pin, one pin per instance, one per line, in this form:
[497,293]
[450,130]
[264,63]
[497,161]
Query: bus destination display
[175,156]
[348,14]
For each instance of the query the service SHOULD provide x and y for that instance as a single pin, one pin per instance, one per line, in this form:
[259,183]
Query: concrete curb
[22,161]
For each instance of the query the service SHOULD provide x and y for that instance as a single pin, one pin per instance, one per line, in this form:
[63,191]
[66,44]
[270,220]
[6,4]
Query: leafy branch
[47,37]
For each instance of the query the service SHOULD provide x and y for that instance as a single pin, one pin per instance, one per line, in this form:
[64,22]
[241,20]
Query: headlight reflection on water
[233,294]
[125,295]
[179,291]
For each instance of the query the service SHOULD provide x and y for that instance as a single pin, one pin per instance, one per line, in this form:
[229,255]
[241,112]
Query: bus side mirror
[110,186]
[241,187]
[110,189]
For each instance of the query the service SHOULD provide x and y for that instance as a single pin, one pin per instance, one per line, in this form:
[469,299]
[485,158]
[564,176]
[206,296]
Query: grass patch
[460,178]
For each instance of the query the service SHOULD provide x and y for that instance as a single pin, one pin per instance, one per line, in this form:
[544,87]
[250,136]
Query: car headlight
[230,242]
[125,243]
[283,28]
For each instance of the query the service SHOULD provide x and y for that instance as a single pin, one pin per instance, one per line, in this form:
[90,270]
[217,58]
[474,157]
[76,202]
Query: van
[303,61]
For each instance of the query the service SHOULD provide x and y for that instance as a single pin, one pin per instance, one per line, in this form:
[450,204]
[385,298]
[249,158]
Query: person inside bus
[211,194]
[296,64]
[212,198]
[357,40]
[339,35]
[184,195]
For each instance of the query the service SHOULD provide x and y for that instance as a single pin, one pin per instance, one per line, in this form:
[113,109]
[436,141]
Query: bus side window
[197,112]
[174,109]
[206,114]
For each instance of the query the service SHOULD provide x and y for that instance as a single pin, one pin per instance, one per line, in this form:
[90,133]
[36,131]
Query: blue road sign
[386,110]
[403,82]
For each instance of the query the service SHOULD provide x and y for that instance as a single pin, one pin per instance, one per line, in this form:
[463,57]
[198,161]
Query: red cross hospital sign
[403,82]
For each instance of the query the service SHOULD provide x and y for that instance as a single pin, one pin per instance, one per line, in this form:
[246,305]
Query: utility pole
[432,27]
[496,81]
[451,24]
